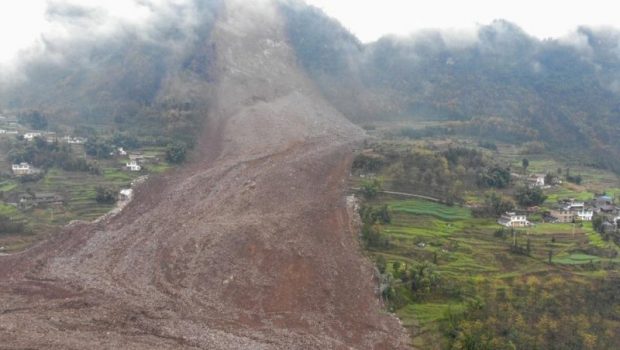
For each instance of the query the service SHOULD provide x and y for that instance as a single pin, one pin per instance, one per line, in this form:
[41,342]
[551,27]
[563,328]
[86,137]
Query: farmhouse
[28,200]
[74,140]
[537,180]
[604,204]
[22,169]
[571,211]
[584,214]
[562,215]
[31,135]
[511,219]
[133,166]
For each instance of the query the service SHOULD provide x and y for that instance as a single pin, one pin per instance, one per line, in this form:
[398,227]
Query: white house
[571,211]
[2,131]
[74,140]
[31,135]
[584,214]
[511,219]
[133,166]
[121,151]
[21,169]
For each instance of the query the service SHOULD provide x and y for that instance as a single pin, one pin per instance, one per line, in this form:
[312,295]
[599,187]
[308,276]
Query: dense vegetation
[456,278]
[444,175]
[499,83]
[44,154]
[150,82]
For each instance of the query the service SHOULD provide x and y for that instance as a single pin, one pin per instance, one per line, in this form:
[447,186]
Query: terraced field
[465,249]
[78,191]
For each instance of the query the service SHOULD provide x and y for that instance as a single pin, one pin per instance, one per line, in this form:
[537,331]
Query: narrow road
[413,195]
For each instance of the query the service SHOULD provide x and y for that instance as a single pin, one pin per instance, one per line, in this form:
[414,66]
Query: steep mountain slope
[498,81]
[249,247]
[149,77]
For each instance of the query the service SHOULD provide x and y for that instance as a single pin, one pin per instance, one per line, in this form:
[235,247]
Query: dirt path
[404,194]
[249,247]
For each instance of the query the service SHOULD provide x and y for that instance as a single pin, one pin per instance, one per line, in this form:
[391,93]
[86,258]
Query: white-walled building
[511,219]
[21,169]
[31,135]
[74,140]
[133,166]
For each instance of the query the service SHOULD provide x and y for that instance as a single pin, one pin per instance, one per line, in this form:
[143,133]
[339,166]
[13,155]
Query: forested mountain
[150,76]
[497,81]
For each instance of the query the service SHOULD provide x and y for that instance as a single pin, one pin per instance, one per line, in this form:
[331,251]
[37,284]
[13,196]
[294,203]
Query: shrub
[8,225]
[176,152]
[105,195]
[370,188]
[528,197]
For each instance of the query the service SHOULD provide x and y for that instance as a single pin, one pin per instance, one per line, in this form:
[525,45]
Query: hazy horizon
[28,25]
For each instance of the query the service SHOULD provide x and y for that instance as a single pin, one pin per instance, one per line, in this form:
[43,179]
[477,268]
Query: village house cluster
[24,168]
[536,180]
[571,211]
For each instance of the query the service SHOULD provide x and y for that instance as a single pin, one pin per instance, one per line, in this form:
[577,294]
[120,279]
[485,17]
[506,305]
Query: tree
[176,152]
[105,195]
[525,163]
[8,225]
[383,215]
[381,264]
[550,179]
[597,223]
[370,188]
[35,119]
[126,141]
[528,197]
[496,176]
[494,205]
[550,256]
[98,148]
[574,179]
[424,278]
[374,238]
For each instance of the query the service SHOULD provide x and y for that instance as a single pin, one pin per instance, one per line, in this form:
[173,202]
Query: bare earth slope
[249,247]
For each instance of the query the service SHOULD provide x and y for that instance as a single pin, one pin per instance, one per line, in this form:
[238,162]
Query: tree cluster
[105,195]
[530,196]
[35,119]
[494,205]
[551,312]
[8,225]
[176,152]
[43,154]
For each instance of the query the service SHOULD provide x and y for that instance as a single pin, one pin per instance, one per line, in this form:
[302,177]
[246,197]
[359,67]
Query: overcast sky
[542,18]
[23,21]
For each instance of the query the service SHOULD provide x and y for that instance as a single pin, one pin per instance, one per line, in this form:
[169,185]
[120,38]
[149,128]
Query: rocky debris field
[249,246]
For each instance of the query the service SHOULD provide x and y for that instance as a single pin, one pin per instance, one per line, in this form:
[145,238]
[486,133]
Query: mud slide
[249,247]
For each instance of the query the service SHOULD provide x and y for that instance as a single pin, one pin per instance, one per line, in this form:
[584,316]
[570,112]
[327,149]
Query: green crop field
[464,251]
[422,207]
[77,190]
